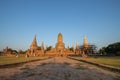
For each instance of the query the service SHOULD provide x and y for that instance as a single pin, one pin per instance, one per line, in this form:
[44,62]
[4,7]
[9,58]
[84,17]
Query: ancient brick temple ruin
[58,50]
[7,51]
[34,49]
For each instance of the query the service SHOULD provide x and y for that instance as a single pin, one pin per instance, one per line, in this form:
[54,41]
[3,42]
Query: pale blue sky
[20,20]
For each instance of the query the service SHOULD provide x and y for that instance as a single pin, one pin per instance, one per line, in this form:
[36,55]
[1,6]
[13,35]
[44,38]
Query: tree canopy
[112,49]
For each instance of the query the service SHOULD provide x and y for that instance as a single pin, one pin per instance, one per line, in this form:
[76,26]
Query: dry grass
[12,59]
[112,61]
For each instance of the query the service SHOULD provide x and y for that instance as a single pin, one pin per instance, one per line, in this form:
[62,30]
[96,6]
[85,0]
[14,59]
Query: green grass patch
[112,61]
[12,59]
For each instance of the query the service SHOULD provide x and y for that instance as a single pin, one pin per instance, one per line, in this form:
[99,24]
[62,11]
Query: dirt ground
[58,68]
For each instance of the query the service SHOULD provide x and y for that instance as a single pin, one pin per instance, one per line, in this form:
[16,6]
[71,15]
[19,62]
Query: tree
[14,52]
[93,49]
[71,49]
[1,53]
[49,48]
[113,49]
[39,48]
[21,52]
[102,51]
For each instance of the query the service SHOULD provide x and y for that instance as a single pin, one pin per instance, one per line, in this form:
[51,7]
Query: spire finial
[34,43]
[77,45]
[85,43]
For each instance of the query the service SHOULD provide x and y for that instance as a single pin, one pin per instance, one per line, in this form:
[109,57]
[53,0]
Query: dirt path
[58,68]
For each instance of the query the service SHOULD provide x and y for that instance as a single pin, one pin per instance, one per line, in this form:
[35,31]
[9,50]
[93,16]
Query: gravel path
[58,68]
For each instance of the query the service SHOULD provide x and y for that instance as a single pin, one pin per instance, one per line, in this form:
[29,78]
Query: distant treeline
[111,49]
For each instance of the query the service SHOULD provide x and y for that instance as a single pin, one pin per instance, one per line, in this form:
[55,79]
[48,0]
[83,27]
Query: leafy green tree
[71,49]
[14,52]
[93,49]
[21,52]
[113,49]
[39,48]
[102,51]
[1,53]
[49,48]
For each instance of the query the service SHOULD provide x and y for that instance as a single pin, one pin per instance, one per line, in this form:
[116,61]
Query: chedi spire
[60,46]
[85,43]
[77,45]
[34,44]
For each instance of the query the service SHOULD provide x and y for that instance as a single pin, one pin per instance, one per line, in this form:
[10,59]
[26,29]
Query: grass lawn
[13,59]
[112,61]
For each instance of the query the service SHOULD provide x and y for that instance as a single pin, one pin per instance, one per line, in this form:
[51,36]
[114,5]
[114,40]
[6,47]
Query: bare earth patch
[58,68]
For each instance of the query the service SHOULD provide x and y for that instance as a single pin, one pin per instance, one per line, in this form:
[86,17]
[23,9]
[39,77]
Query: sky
[20,20]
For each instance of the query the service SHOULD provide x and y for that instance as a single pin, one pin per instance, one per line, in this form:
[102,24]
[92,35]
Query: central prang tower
[60,46]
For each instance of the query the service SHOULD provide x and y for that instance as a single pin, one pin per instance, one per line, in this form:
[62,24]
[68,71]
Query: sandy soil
[58,68]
